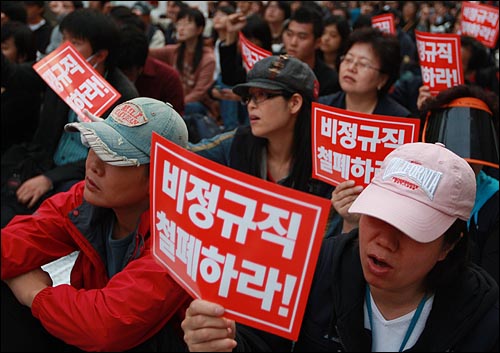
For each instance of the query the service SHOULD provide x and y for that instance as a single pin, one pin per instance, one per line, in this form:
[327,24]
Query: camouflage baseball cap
[281,73]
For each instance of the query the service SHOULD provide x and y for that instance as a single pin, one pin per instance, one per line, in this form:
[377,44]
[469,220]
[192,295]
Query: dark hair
[197,16]
[123,16]
[479,53]
[133,49]
[23,39]
[284,6]
[257,28]
[450,94]
[343,28]
[94,26]
[448,270]
[14,10]
[308,14]
[386,48]
[299,177]
[363,21]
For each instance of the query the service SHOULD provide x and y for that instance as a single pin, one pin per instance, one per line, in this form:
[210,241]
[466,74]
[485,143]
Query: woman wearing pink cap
[402,282]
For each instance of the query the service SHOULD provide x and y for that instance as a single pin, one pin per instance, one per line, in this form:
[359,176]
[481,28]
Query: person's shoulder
[155,66]
[393,108]
[333,99]
[122,84]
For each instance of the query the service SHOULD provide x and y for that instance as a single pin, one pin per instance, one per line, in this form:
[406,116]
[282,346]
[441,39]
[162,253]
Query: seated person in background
[194,61]
[119,297]
[465,119]
[402,281]
[152,78]
[55,158]
[20,100]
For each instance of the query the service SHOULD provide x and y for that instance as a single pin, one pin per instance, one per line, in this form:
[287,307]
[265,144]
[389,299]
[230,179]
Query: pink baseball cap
[421,189]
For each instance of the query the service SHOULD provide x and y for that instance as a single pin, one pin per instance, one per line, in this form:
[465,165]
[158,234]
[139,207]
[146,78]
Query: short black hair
[133,49]
[23,38]
[308,14]
[94,26]
[14,10]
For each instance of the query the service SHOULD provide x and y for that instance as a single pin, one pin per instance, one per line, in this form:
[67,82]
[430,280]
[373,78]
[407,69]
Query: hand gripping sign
[235,239]
[351,146]
[440,60]
[76,81]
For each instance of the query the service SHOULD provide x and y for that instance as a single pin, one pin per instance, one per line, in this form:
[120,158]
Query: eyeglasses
[258,97]
[361,65]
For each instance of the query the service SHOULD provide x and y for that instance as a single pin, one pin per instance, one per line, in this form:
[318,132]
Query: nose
[94,163]
[388,240]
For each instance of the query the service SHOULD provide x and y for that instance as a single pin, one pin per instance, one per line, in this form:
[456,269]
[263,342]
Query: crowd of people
[400,268]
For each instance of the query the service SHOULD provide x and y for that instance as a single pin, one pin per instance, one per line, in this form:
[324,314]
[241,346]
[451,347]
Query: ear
[447,248]
[295,103]
[383,80]
[101,56]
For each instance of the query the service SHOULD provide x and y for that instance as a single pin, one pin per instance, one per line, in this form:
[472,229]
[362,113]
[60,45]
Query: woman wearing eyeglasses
[276,146]
[367,70]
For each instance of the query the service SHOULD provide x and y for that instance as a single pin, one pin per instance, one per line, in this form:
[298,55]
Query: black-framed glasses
[361,65]
[259,97]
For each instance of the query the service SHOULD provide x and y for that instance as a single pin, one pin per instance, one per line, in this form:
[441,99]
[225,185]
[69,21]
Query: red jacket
[94,313]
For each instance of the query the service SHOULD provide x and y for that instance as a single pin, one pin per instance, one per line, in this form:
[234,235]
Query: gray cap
[281,73]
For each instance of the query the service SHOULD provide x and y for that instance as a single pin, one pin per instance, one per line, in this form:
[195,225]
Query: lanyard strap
[413,322]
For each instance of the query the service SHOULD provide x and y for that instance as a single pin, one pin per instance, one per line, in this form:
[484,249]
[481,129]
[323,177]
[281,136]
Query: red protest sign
[251,53]
[351,146]
[481,22]
[440,60]
[385,23]
[234,239]
[76,81]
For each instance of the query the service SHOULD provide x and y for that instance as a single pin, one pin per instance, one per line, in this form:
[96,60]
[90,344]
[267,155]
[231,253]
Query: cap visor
[417,220]
[243,88]
[108,144]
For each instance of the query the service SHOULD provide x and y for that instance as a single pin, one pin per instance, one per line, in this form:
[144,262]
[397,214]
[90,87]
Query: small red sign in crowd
[251,53]
[76,81]
[440,60]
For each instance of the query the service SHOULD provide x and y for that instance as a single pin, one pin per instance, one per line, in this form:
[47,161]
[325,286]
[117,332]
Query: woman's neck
[330,59]
[396,304]
[279,157]
[363,103]
[191,45]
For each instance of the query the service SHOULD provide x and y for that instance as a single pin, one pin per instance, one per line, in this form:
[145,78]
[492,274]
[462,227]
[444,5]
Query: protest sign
[440,60]
[231,238]
[481,22]
[385,23]
[251,53]
[351,146]
[76,81]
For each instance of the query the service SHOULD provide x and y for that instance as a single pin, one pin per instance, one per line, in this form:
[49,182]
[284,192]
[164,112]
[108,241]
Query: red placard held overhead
[385,23]
[231,238]
[251,53]
[351,146]
[481,22]
[76,81]
[440,60]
